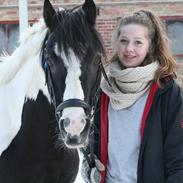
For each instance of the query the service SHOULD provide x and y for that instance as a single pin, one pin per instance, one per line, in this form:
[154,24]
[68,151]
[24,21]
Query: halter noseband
[90,109]
[74,102]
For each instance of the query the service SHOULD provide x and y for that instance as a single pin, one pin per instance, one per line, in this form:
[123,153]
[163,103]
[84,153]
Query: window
[9,34]
[174,32]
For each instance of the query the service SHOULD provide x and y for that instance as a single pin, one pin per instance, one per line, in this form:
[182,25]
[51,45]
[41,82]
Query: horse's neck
[21,77]
[30,46]
[40,116]
[27,83]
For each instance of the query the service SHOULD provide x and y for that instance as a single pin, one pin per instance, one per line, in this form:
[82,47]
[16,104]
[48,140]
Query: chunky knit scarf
[127,85]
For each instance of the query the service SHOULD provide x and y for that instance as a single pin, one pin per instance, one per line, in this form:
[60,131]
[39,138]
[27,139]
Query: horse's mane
[21,78]
[30,43]
[76,33]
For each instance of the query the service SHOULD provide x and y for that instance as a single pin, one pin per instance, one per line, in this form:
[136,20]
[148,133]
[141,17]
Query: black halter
[90,109]
[74,102]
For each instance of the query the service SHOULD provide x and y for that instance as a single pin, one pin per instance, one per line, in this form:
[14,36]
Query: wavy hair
[159,49]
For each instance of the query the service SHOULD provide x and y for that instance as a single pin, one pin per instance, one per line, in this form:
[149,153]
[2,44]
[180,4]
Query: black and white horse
[48,90]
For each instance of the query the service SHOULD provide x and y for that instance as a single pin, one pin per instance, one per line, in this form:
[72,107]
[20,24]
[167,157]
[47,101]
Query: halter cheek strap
[90,109]
[70,102]
[104,73]
[49,80]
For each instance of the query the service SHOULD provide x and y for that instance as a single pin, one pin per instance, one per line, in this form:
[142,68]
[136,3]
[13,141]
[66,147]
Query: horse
[48,92]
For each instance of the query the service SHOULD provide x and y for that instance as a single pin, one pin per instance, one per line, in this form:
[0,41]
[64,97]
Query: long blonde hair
[159,50]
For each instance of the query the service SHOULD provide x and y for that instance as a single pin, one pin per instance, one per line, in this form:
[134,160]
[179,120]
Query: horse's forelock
[75,33]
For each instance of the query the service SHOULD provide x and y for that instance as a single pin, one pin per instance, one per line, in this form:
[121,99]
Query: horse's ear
[90,11]
[49,14]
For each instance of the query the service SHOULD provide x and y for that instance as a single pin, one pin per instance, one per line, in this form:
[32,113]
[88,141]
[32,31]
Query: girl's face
[133,45]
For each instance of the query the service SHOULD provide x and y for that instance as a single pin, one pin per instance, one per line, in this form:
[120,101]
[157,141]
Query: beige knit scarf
[127,85]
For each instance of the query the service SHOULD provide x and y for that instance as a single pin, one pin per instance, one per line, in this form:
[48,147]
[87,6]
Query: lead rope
[104,73]
[89,156]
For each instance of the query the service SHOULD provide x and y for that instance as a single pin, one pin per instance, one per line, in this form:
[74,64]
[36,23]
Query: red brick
[110,11]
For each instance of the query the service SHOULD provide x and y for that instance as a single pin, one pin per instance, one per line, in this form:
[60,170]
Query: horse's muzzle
[77,139]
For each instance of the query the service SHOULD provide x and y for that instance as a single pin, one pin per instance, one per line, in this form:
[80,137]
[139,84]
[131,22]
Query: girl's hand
[92,175]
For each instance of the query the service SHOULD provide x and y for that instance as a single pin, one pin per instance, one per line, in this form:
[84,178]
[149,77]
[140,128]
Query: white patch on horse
[73,90]
[21,77]
[79,178]
[56,50]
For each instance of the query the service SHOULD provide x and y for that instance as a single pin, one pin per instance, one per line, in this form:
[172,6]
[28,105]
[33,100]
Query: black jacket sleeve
[173,136]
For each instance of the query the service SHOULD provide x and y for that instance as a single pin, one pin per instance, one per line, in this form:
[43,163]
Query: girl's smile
[133,45]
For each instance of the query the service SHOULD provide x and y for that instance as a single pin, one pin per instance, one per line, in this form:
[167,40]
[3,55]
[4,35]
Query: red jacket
[161,151]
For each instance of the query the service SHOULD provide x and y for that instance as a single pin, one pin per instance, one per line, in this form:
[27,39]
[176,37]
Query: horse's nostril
[66,122]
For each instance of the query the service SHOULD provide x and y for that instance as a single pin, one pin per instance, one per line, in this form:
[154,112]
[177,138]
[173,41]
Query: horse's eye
[52,58]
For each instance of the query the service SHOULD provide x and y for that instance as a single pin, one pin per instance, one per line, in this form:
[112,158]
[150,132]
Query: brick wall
[106,26]
[180,72]
[110,11]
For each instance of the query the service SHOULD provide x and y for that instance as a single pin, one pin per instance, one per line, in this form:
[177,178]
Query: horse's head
[71,57]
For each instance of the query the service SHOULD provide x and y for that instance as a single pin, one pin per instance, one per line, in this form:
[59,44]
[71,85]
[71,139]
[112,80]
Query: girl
[138,134]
